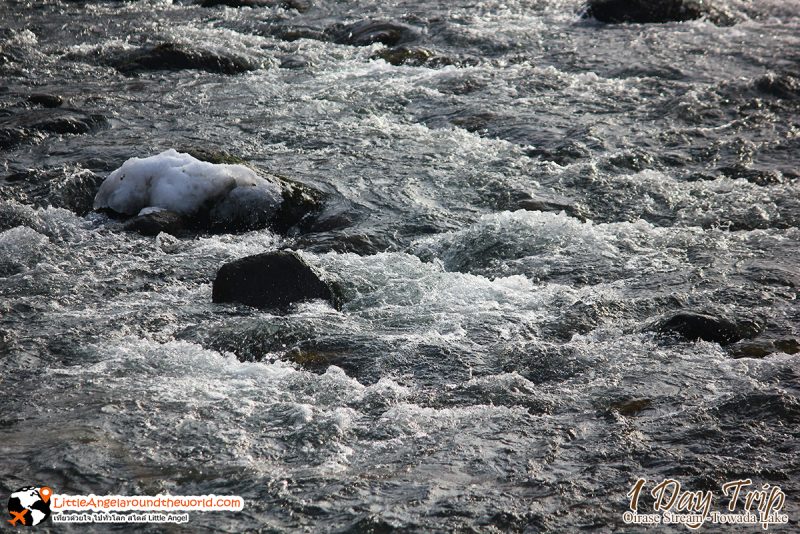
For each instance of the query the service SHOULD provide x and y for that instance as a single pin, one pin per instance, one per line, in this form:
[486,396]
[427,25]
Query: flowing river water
[495,367]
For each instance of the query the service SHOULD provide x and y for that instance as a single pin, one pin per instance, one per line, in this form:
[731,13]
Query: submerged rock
[36,124]
[69,187]
[785,86]
[273,280]
[652,11]
[300,5]
[630,407]
[760,348]
[176,56]
[553,203]
[45,100]
[413,56]
[216,197]
[154,222]
[294,62]
[367,32]
[754,176]
[694,326]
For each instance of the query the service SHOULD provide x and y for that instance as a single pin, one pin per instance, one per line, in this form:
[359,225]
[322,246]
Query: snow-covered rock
[181,183]
[206,196]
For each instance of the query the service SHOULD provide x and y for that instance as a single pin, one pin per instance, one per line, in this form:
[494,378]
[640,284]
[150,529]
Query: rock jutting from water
[367,32]
[695,325]
[652,11]
[203,196]
[300,5]
[272,280]
[24,125]
[178,56]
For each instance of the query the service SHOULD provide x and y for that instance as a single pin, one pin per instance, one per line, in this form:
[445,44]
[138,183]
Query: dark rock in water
[176,56]
[563,154]
[45,100]
[551,204]
[652,11]
[356,243]
[635,160]
[301,203]
[771,273]
[273,280]
[294,33]
[368,32]
[300,206]
[317,357]
[294,62]
[69,187]
[760,348]
[630,407]
[754,176]
[35,124]
[152,224]
[785,86]
[694,326]
[476,122]
[300,5]
[413,56]
[214,155]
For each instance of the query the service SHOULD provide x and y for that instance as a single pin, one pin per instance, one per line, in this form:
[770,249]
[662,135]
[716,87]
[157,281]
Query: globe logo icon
[29,506]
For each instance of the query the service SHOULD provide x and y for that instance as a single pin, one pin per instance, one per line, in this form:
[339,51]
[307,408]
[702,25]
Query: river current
[521,213]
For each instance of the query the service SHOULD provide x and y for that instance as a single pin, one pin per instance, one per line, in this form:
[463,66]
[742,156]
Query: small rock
[299,208]
[213,155]
[155,222]
[693,326]
[176,56]
[368,32]
[273,280]
[69,187]
[760,348]
[785,86]
[551,204]
[45,100]
[630,407]
[300,5]
[413,56]
[635,160]
[754,176]
[771,273]
[563,154]
[294,62]
[295,33]
[36,124]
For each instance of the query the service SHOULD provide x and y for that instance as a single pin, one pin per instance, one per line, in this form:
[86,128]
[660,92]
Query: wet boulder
[413,56]
[272,280]
[552,203]
[694,326]
[367,32]
[177,56]
[69,186]
[154,222]
[761,348]
[23,125]
[300,5]
[784,86]
[294,62]
[651,11]
[45,100]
